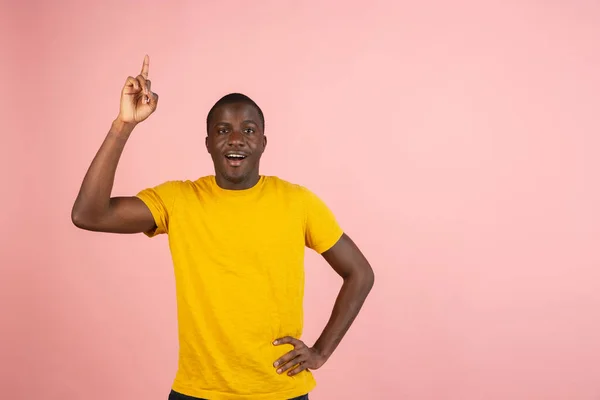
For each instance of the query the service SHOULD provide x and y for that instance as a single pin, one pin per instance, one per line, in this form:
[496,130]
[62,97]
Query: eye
[249,130]
[222,131]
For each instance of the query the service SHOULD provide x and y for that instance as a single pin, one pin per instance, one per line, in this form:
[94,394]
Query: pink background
[457,142]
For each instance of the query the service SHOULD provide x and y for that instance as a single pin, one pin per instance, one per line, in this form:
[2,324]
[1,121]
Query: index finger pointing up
[146,67]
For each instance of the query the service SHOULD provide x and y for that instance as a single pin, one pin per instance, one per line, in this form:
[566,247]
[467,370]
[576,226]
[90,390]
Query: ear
[264,142]
[206,143]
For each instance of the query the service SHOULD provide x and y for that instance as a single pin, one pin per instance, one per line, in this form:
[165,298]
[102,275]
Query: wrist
[121,128]
[320,353]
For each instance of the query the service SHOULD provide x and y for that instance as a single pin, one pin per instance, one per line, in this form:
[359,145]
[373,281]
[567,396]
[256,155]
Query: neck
[250,181]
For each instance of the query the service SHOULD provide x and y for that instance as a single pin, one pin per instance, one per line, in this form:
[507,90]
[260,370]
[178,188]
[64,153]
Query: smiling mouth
[235,156]
[235,159]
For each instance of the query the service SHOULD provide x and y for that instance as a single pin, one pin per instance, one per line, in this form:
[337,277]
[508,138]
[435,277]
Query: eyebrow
[243,122]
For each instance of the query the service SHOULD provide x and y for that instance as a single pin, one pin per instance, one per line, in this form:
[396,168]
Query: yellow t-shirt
[238,257]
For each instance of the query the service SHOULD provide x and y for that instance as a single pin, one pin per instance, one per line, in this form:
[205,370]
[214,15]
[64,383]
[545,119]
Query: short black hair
[233,98]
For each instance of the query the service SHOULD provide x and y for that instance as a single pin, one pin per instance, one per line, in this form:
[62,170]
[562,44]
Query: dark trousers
[178,396]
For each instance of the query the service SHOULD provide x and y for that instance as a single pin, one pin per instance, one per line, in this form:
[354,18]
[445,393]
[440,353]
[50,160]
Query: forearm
[349,301]
[94,195]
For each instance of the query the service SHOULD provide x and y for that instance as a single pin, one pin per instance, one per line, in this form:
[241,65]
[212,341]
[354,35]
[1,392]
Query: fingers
[153,100]
[298,369]
[137,85]
[132,84]
[288,340]
[292,358]
[145,67]
[288,365]
[143,83]
[286,358]
[295,358]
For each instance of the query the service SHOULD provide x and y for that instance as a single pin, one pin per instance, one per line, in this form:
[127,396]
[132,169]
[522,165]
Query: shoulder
[203,183]
[295,192]
[178,187]
[199,188]
[275,182]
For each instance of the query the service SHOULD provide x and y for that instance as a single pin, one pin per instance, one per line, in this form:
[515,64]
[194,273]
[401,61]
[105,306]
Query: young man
[237,240]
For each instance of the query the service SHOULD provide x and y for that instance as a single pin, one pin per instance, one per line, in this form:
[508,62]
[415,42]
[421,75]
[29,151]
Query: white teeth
[241,156]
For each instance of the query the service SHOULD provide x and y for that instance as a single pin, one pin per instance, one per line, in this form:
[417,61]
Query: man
[237,241]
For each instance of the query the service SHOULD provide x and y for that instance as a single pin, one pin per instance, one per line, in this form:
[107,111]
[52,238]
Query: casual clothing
[238,257]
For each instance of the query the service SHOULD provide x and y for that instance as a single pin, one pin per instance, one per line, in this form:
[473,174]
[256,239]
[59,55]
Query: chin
[235,177]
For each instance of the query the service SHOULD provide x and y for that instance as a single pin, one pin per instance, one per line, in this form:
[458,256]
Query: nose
[236,138]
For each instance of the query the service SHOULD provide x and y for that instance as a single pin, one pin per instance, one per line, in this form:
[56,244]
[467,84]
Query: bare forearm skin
[350,300]
[94,198]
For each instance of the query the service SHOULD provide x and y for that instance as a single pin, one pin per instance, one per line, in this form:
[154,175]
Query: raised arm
[94,208]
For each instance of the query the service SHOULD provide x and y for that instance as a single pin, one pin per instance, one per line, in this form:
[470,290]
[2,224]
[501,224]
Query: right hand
[137,100]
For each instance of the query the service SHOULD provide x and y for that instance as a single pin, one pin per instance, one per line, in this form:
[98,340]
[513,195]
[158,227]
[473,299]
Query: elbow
[78,219]
[367,281]
[364,277]
[81,219]
[370,279]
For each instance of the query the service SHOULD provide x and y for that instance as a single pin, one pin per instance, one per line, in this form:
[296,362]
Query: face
[236,142]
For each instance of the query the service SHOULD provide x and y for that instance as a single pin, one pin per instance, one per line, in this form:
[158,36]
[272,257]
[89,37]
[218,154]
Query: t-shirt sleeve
[321,229]
[161,202]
